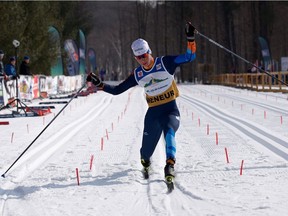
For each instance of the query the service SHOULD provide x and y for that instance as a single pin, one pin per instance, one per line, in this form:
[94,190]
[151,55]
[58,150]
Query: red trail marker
[77,176]
[226,153]
[91,162]
[12,137]
[4,122]
[107,134]
[102,143]
[241,168]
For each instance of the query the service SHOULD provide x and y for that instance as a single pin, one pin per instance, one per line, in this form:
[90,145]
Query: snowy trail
[43,151]
[276,109]
[246,100]
[38,155]
[205,183]
[273,142]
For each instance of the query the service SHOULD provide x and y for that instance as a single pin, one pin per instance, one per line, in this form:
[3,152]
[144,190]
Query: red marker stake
[102,143]
[216,138]
[226,153]
[91,161]
[208,129]
[107,134]
[12,137]
[4,122]
[77,176]
[241,168]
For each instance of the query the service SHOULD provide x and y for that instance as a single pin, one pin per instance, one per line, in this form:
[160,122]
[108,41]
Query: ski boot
[169,174]
[146,166]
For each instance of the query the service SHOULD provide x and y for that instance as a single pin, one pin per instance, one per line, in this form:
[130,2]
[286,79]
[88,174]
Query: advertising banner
[57,68]
[73,57]
[82,52]
[267,60]
[26,86]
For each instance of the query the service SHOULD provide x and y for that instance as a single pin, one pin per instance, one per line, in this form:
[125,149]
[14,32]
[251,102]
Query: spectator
[24,67]
[10,69]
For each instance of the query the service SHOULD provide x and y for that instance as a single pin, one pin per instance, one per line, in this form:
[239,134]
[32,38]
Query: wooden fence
[253,81]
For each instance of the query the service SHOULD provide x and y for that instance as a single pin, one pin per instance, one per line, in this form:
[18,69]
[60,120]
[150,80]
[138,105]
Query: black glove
[189,30]
[94,79]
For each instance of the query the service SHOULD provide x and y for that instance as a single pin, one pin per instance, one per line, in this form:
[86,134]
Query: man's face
[144,60]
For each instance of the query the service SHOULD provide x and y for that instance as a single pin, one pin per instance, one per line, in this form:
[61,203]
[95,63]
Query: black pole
[250,63]
[17,90]
[3,175]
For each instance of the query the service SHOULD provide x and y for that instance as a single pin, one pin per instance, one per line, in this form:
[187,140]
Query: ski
[54,102]
[145,173]
[170,183]
[62,97]
[38,107]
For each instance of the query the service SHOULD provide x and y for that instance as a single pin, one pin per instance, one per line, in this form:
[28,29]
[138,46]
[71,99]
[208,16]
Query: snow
[248,125]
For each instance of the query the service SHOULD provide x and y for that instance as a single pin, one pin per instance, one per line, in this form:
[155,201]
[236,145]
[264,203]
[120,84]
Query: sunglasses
[141,56]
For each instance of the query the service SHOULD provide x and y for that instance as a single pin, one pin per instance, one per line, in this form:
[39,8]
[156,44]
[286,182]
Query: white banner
[32,87]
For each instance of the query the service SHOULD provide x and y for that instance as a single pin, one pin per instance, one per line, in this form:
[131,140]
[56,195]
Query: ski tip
[3,175]
[170,185]
[170,190]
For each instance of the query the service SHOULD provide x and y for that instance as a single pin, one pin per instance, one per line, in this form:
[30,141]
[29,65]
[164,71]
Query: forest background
[111,26]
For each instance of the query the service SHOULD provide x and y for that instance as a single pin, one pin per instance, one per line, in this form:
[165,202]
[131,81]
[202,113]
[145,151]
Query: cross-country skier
[156,76]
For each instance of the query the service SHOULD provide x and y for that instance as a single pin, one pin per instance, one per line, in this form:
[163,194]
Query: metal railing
[253,81]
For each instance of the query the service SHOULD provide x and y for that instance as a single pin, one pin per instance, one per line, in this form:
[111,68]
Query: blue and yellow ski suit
[161,91]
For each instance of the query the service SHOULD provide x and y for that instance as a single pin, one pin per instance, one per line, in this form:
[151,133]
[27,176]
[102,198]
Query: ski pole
[250,63]
[3,175]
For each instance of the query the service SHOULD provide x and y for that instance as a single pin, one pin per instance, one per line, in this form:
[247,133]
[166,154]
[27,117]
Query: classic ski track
[155,178]
[43,152]
[181,197]
[170,203]
[275,144]
[58,139]
[259,104]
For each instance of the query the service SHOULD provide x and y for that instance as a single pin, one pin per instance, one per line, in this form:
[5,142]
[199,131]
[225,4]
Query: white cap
[140,47]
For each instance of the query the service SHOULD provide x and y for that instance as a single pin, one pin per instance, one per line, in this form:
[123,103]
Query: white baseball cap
[140,47]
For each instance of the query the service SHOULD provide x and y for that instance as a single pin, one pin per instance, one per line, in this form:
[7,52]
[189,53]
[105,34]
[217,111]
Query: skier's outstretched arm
[190,54]
[172,62]
[112,89]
